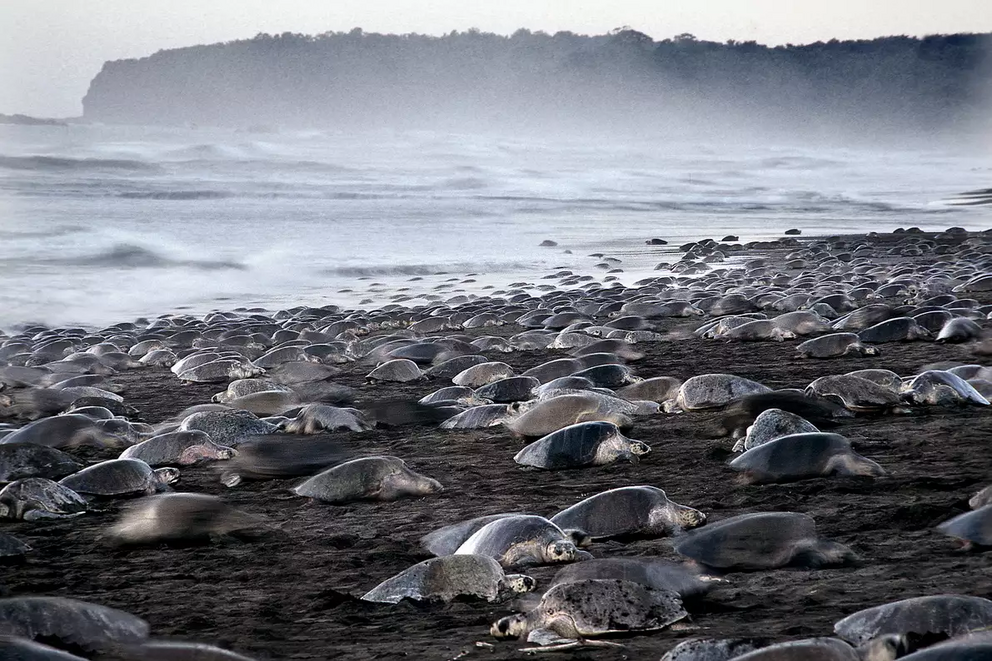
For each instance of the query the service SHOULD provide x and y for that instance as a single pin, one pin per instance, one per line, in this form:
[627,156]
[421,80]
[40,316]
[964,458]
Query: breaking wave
[62,164]
[126,255]
[424,269]
[177,195]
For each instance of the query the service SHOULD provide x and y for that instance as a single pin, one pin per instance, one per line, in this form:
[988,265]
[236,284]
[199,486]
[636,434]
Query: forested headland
[538,81]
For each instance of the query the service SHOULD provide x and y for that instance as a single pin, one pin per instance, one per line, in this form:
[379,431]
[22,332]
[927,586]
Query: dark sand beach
[293,594]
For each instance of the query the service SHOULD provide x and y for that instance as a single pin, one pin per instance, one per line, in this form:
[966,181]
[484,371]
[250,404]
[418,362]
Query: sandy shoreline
[295,595]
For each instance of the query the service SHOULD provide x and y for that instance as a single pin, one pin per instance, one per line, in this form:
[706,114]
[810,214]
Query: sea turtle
[398,370]
[159,358]
[813,649]
[959,329]
[757,330]
[295,373]
[883,377]
[634,510]
[227,427]
[244,387]
[510,389]
[771,424]
[71,621]
[761,540]
[802,456]
[942,615]
[368,478]
[453,366]
[266,402]
[865,317]
[481,374]
[938,387]
[973,528]
[458,394]
[446,540]
[740,414]
[657,389]
[20,460]
[549,415]
[569,613]
[835,345]
[981,499]
[171,650]
[175,517]
[565,385]
[479,417]
[178,448]
[120,477]
[22,649]
[315,418]
[266,458]
[554,369]
[522,539]
[899,329]
[649,571]
[855,393]
[802,322]
[219,371]
[974,646]
[581,445]
[713,649]
[610,375]
[63,431]
[710,391]
[449,577]
[35,498]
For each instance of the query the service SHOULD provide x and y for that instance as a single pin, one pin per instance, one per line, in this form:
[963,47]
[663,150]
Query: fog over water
[104,223]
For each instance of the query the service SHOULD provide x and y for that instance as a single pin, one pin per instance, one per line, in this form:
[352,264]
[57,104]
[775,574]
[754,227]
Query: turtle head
[194,454]
[246,371]
[520,583]
[167,475]
[639,448]
[689,518]
[427,485]
[230,479]
[513,626]
[825,554]
[885,648]
[561,551]
[579,537]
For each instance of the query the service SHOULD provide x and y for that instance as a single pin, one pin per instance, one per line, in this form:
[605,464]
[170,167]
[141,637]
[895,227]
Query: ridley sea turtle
[635,510]
[762,540]
[569,613]
[449,577]
[581,445]
[368,478]
[522,539]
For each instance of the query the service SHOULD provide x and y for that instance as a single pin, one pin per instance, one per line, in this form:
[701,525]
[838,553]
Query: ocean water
[101,223]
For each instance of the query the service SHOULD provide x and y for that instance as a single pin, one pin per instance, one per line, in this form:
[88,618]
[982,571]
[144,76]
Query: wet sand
[294,594]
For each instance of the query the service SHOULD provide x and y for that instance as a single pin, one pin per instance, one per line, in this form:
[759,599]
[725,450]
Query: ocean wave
[127,255]
[423,269]
[61,164]
[176,195]
[61,230]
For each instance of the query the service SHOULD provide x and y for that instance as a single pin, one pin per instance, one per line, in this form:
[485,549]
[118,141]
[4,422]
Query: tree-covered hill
[533,80]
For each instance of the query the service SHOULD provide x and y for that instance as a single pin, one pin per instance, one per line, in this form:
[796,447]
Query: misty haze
[360,345]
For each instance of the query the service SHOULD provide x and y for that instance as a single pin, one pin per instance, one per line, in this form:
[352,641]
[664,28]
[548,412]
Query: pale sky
[51,49]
